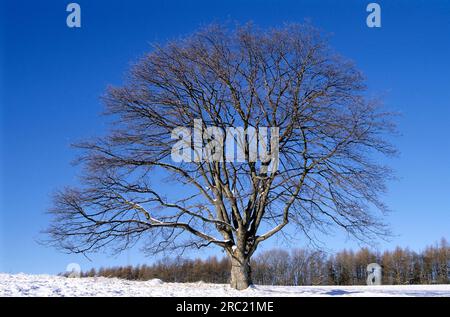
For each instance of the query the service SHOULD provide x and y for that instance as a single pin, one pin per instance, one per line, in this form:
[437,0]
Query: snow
[48,285]
[155,282]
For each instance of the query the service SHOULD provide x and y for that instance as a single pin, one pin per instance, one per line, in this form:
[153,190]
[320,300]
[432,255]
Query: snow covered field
[47,285]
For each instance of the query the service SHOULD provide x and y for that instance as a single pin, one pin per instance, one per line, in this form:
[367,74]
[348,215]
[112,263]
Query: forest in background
[301,267]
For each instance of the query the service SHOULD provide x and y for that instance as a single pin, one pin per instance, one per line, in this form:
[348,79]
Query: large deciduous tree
[288,78]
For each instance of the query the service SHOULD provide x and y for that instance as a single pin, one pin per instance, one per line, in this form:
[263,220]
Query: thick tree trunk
[241,275]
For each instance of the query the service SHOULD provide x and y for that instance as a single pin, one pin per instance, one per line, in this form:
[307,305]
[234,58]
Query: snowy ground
[46,285]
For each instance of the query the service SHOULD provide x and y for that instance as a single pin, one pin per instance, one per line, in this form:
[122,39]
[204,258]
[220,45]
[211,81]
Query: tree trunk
[241,275]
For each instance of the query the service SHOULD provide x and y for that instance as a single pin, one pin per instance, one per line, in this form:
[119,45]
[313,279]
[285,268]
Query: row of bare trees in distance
[302,267]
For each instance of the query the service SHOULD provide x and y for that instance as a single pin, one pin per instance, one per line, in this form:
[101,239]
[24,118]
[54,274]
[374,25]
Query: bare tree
[285,77]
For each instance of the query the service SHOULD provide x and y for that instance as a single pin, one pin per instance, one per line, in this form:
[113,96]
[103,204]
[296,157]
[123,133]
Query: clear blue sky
[51,78]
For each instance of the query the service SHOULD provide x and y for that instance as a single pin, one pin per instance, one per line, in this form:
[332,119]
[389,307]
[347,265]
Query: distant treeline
[302,267]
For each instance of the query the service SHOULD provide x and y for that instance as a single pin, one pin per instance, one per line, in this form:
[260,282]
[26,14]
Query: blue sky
[51,78]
